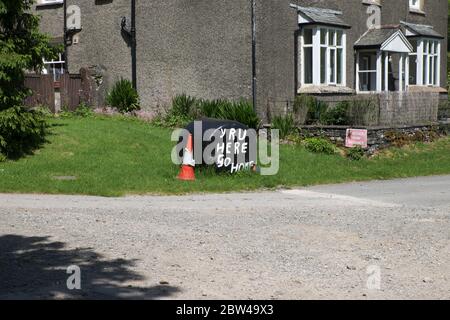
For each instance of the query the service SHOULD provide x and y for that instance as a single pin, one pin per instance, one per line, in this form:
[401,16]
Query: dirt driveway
[386,239]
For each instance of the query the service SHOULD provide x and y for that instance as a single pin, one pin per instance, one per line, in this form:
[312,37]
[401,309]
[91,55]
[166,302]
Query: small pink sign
[356,137]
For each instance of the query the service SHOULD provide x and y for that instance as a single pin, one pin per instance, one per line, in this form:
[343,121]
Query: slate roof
[322,16]
[422,30]
[375,37]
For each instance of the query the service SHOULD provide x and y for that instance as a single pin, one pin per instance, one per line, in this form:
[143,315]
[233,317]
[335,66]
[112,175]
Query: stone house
[394,50]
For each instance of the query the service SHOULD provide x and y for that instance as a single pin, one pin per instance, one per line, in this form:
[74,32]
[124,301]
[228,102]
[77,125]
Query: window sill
[312,89]
[416,88]
[417,11]
[49,4]
[371,3]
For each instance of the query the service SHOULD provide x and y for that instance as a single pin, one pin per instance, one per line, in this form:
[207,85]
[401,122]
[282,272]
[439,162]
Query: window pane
[332,66]
[436,71]
[339,38]
[308,61]
[339,66]
[323,65]
[430,70]
[307,36]
[414,44]
[425,67]
[323,36]
[331,37]
[412,70]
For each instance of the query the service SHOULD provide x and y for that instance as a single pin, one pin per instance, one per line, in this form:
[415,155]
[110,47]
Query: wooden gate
[71,91]
[56,95]
[43,92]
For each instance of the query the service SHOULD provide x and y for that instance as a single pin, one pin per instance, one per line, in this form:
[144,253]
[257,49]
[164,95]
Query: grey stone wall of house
[100,45]
[203,47]
[52,19]
[277,26]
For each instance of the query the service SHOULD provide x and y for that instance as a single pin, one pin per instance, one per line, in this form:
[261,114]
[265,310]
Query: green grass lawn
[117,156]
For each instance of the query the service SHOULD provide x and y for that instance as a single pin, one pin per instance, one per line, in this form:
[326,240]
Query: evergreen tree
[22,47]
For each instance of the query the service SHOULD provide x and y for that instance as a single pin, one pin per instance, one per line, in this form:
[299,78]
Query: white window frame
[415,4]
[360,72]
[428,54]
[317,47]
[303,63]
[50,1]
[48,64]
[382,71]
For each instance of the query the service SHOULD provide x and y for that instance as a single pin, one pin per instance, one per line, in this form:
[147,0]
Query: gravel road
[375,240]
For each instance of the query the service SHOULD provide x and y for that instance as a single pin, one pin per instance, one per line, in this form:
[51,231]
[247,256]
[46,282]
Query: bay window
[430,62]
[425,69]
[323,56]
[382,61]
[307,56]
[367,71]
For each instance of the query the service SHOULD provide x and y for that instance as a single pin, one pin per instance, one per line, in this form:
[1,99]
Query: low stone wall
[378,137]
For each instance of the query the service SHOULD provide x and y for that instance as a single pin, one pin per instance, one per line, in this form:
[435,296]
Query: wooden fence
[43,92]
[71,91]
[66,93]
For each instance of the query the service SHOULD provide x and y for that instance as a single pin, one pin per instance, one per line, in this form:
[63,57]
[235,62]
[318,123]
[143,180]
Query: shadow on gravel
[36,268]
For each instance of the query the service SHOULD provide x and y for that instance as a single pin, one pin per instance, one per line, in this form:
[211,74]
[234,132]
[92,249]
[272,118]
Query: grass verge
[114,156]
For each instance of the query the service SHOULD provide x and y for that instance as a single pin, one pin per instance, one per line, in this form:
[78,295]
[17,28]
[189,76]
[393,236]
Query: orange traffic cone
[187,168]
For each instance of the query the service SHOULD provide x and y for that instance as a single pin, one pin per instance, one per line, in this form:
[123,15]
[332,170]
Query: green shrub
[294,138]
[337,115]
[444,110]
[241,111]
[21,131]
[210,108]
[123,97]
[84,111]
[172,121]
[319,145]
[185,109]
[22,47]
[183,105]
[302,104]
[285,124]
[356,153]
[316,109]
[2,157]
[45,111]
